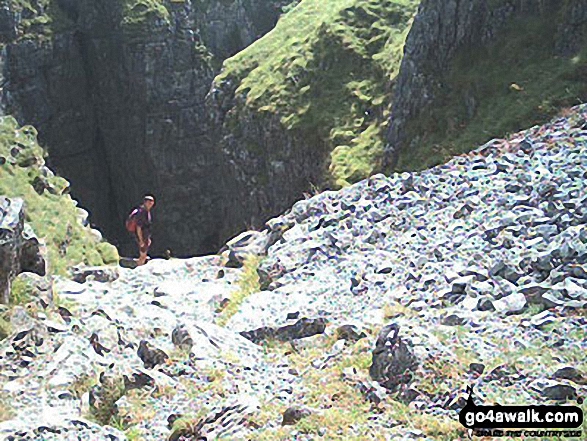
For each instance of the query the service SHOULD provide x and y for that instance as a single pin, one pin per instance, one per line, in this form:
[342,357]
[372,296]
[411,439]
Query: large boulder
[19,248]
[393,361]
[303,328]
[249,244]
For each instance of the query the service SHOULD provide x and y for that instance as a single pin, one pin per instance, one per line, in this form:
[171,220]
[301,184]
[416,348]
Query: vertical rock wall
[443,29]
[118,97]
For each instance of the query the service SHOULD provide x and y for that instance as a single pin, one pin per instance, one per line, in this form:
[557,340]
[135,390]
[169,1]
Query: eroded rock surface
[19,248]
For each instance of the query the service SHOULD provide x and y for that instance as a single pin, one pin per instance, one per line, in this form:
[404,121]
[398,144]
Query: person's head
[148,201]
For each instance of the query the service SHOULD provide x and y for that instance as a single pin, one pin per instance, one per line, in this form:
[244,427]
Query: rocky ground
[478,266]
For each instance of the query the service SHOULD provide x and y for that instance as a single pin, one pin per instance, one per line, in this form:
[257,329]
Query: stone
[138,380]
[181,338]
[393,362]
[454,320]
[485,304]
[477,368]
[292,415]
[501,269]
[512,304]
[471,303]
[559,392]
[572,374]
[543,318]
[302,328]
[249,244]
[99,274]
[151,357]
[534,292]
[460,285]
[349,333]
[19,248]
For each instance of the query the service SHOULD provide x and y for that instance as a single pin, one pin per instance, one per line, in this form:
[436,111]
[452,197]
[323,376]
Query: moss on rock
[49,209]
[139,13]
[327,70]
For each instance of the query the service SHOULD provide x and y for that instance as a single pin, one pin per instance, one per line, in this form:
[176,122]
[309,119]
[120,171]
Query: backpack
[131,221]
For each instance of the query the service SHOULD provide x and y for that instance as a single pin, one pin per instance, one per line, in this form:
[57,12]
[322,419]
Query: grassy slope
[54,217]
[521,57]
[327,69]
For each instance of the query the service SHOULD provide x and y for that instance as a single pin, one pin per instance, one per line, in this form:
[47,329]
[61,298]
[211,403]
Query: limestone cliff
[473,70]
[305,107]
[116,90]
[135,96]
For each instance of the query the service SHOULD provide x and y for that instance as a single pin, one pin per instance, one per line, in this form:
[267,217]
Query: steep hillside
[322,82]
[229,120]
[477,70]
[49,208]
[369,318]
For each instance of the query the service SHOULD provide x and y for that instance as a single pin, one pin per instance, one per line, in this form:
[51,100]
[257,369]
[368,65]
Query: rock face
[228,27]
[305,106]
[272,165]
[117,94]
[442,30]
[19,248]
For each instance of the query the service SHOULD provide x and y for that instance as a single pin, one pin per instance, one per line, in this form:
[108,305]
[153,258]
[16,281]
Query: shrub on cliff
[35,19]
[49,209]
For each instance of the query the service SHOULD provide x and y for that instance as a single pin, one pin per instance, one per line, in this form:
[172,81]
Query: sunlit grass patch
[509,85]
[248,283]
[326,72]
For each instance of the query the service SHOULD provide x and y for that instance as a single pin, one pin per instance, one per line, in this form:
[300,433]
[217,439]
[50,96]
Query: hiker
[139,223]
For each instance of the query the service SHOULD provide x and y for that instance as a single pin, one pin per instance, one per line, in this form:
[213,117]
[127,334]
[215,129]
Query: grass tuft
[248,283]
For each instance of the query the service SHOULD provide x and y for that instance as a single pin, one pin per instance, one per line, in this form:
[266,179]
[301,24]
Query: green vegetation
[40,19]
[51,212]
[326,70]
[186,426]
[140,409]
[105,410]
[6,412]
[82,384]
[133,434]
[138,13]
[515,83]
[248,283]
[339,410]
[21,291]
